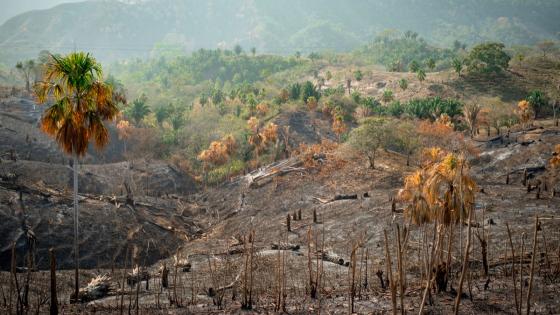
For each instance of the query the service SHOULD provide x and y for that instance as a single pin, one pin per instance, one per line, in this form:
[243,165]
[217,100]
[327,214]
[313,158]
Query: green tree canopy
[488,57]
[162,113]
[26,69]
[138,110]
[369,137]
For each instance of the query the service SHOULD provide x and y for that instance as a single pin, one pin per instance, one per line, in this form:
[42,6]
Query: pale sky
[10,8]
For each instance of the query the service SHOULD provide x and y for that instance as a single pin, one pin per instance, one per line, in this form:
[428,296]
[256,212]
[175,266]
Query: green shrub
[432,108]
[339,90]
[538,102]
[395,109]
[219,174]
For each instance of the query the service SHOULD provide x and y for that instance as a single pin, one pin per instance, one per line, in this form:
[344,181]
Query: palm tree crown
[441,191]
[138,110]
[81,102]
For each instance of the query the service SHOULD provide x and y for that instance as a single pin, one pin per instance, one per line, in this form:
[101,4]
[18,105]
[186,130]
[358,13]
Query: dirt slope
[32,166]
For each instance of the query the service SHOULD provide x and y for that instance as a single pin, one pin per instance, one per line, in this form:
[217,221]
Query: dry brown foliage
[339,127]
[442,190]
[443,136]
[123,127]
[262,109]
[555,160]
[315,155]
[524,112]
[270,133]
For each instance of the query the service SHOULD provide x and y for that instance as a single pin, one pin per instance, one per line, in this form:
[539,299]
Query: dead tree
[533,255]
[379,274]
[164,276]
[441,277]
[513,269]
[465,266]
[484,252]
[54,301]
[389,268]
[352,276]
[314,216]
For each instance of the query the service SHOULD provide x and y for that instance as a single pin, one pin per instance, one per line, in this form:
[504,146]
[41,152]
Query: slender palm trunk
[76,253]
[465,265]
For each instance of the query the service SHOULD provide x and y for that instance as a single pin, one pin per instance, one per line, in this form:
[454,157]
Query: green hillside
[114,30]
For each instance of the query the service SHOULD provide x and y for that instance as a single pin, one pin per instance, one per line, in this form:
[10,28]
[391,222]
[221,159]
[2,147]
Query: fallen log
[98,288]
[332,257]
[345,197]
[10,185]
[234,251]
[338,198]
[212,292]
[526,142]
[274,169]
[321,200]
[285,246]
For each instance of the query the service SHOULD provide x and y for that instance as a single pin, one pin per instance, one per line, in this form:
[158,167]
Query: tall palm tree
[81,103]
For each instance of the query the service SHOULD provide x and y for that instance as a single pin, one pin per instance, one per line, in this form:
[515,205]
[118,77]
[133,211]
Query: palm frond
[81,102]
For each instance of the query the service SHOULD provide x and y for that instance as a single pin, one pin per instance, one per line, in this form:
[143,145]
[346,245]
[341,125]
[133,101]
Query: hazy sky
[10,8]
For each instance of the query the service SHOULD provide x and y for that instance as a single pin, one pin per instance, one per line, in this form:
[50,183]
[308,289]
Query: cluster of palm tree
[81,103]
[441,191]
[443,194]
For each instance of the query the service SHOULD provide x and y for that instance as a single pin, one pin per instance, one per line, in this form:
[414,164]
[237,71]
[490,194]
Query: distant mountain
[113,29]
[11,8]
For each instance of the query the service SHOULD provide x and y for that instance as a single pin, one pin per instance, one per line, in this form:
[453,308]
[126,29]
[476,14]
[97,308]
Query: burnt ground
[208,227]
[345,222]
[36,195]
[231,211]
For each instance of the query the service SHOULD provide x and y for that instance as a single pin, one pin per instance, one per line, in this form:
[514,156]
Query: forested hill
[112,29]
